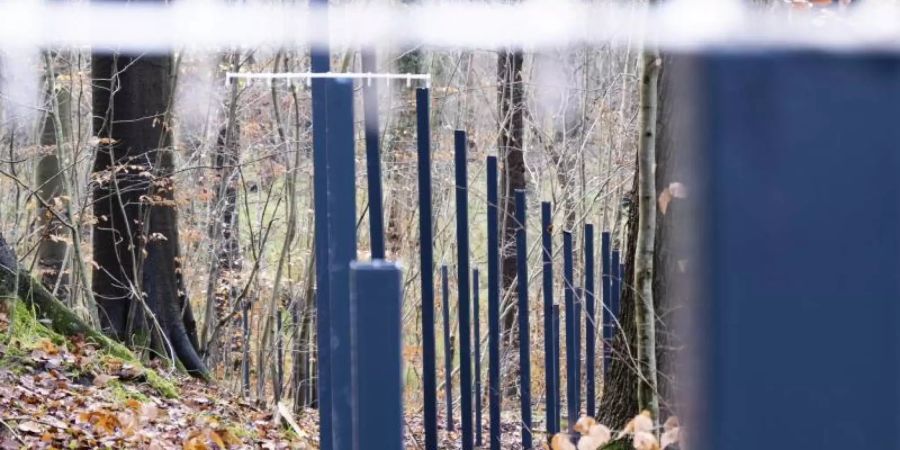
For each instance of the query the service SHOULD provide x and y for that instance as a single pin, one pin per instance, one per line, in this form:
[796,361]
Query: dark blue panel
[341,250]
[376,300]
[800,151]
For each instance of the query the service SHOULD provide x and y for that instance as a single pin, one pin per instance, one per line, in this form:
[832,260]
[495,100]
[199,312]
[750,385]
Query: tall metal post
[606,286]
[341,251]
[569,295]
[448,347]
[320,62]
[373,157]
[590,317]
[524,328]
[493,288]
[547,258]
[476,329]
[462,268]
[426,262]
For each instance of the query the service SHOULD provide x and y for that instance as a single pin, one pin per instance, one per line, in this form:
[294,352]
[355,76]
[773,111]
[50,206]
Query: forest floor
[61,392]
[65,393]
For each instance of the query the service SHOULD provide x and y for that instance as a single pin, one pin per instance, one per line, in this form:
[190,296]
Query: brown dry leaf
[642,422]
[670,437]
[103,379]
[644,440]
[48,347]
[229,437]
[560,441]
[584,424]
[195,441]
[596,437]
[664,198]
[149,412]
[214,436]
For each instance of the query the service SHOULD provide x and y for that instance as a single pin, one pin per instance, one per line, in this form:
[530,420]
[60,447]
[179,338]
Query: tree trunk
[53,250]
[645,312]
[222,289]
[511,109]
[137,279]
[400,155]
[620,399]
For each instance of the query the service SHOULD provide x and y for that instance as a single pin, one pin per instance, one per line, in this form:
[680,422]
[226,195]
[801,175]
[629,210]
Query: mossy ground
[25,333]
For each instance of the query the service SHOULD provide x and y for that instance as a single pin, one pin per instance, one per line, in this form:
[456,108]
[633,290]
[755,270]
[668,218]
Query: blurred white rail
[308,76]
[532,24]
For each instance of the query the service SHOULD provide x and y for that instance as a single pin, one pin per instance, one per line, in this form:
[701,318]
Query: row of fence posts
[359,303]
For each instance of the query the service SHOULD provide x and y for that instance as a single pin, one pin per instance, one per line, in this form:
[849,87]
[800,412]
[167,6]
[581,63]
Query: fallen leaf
[31,427]
[103,379]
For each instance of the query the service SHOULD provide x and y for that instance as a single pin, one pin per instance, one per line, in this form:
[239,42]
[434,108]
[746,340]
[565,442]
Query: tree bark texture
[619,402]
[53,249]
[645,312]
[511,114]
[137,279]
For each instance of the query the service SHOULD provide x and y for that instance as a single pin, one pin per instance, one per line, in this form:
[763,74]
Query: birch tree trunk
[645,314]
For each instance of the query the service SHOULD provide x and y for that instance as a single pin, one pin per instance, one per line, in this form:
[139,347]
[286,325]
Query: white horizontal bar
[332,75]
[213,25]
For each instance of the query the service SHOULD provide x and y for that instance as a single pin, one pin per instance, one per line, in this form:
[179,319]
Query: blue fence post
[373,157]
[590,332]
[524,328]
[569,294]
[576,340]
[493,288]
[377,354]
[547,258]
[557,399]
[448,347]
[616,289]
[426,262]
[320,62]
[605,283]
[342,249]
[476,325]
[462,265]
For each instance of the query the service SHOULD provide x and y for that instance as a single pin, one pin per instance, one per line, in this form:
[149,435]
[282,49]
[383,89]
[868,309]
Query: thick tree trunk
[136,280]
[511,112]
[620,399]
